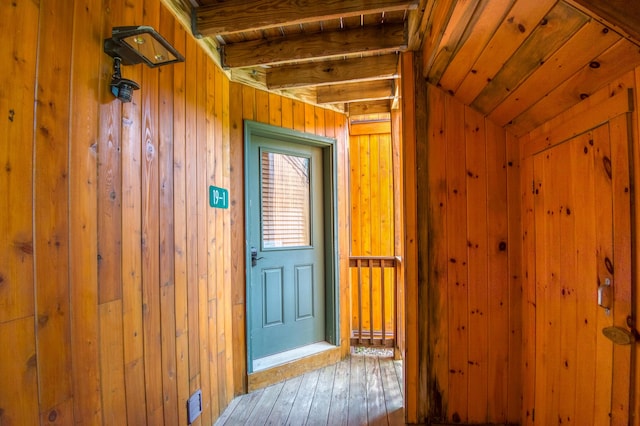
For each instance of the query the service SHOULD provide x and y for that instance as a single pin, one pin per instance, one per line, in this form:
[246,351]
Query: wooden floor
[360,390]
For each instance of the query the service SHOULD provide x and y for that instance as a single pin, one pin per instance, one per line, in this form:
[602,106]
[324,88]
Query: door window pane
[286,214]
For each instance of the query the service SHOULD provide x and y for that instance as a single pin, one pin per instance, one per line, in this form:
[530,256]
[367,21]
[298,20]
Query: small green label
[218,197]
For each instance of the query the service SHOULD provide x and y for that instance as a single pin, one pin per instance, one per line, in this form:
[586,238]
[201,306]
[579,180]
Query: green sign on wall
[218,197]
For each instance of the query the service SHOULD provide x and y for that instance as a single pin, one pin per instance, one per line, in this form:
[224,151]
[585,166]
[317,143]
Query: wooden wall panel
[83,197]
[471,331]
[18,360]
[592,394]
[121,290]
[51,222]
[635,158]
[182,375]
[372,227]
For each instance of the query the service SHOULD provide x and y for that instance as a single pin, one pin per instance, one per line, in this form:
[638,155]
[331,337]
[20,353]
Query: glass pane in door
[285,203]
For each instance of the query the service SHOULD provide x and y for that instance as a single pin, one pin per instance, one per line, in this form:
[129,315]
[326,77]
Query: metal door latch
[604,295]
[254,256]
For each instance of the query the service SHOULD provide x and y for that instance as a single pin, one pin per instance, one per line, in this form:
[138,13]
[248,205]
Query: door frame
[254,129]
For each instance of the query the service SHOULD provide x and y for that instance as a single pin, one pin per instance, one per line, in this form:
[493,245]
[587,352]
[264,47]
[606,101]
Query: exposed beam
[232,16]
[378,39]
[332,72]
[366,108]
[356,92]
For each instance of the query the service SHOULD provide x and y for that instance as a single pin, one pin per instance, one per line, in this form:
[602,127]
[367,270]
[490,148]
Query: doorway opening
[291,236]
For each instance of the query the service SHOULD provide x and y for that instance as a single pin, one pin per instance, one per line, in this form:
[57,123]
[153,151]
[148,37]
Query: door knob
[254,256]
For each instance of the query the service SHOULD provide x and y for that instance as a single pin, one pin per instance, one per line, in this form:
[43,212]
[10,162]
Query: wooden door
[286,243]
[578,216]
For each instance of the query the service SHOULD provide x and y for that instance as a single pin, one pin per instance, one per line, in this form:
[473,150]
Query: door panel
[573,210]
[286,237]
[304,291]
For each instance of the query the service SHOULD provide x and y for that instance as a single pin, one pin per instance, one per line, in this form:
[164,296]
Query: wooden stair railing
[377,334]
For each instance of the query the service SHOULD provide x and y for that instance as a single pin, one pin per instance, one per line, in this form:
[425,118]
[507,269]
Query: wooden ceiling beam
[356,92]
[374,39]
[366,108]
[232,16]
[332,72]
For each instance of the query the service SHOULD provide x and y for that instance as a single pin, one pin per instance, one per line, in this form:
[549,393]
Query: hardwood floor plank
[399,371]
[339,407]
[357,392]
[319,411]
[244,408]
[228,412]
[265,404]
[376,407]
[361,390]
[392,386]
[286,398]
[306,393]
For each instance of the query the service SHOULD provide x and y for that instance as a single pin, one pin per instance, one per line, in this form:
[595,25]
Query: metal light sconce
[133,45]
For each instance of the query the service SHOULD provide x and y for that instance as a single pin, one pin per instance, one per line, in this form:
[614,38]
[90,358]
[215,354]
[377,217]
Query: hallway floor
[360,390]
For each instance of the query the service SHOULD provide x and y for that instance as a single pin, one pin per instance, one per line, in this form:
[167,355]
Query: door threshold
[288,356]
[295,363]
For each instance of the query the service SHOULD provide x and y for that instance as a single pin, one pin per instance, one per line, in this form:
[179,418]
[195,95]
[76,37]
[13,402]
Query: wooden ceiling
[520,62]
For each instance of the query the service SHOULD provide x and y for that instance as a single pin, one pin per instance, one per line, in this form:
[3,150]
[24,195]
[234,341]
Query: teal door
[286,246]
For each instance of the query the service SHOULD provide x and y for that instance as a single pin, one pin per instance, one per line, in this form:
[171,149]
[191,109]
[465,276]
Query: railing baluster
[384,319]
[359,301]
[375,262]
[371,342]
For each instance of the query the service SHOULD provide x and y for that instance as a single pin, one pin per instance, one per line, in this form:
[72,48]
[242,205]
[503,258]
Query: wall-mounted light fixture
[133,45]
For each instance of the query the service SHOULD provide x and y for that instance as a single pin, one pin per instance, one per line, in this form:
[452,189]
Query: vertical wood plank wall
[371,188]
[121,290]
[469,290]
[621,393]
[371,182]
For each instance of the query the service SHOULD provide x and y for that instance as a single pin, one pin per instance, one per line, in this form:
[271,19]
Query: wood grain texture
[237,16]
[491,14]
[130,304]
[438,295]
[388,38]
[333,72]
[620,136]
[521,20]
[51,242]
[457,268]
[478,155]
[113,391]
[167,273]
[589,42]
[605,396]
[362,387]
[415,411]
[16,154]
[498,280]
[635,158]
[557,27]
[83,188]
[614,62]
[620,13]
[19,407]
[469,330]
[515,287]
